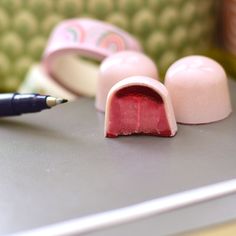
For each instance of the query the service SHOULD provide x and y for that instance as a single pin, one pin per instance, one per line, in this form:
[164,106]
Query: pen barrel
[28,103]
[6,108]
[16,104]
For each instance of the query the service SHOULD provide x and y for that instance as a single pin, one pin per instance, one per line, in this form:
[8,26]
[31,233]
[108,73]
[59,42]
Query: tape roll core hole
[76,73]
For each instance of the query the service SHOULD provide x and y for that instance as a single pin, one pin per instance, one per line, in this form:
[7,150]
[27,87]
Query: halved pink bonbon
[198,89]
[139,105]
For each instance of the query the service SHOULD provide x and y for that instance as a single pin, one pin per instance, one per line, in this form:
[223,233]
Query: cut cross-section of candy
[139,105]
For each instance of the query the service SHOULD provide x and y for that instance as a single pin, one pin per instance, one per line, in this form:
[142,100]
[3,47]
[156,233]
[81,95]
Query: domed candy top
[198,89]
[118,67]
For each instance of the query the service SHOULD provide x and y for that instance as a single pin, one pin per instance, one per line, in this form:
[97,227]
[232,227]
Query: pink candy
[195,85]
[199,90]
[139,105]
[118,67]
[128,87]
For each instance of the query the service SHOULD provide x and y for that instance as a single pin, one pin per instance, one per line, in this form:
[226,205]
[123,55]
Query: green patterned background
[168,29]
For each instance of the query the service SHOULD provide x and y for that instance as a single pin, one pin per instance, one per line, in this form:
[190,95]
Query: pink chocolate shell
[118,67]
[198,88]
[139,105]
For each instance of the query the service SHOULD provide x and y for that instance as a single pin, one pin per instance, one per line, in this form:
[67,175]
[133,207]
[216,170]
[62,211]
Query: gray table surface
[56,166]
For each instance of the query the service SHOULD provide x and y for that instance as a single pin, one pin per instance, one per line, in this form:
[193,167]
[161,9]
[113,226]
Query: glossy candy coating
[118,67]
[139,105]
[198,89]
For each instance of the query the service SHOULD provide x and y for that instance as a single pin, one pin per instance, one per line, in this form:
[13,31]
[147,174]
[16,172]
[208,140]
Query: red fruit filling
[137,110]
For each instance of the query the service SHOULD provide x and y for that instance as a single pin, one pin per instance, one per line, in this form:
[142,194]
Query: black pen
[13,104]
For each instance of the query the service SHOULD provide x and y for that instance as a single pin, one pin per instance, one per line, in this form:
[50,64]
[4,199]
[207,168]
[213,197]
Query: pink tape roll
[85,37]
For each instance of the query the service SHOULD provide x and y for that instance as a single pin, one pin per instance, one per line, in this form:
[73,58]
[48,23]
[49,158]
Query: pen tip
[61,100]
[64,100]
[52,101]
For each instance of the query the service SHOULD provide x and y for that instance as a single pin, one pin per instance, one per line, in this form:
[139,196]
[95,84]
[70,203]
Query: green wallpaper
[168,29]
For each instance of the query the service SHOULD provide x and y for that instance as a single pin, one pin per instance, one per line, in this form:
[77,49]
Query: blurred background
[167,29]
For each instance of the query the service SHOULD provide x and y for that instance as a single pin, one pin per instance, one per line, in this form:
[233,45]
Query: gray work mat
[56,165]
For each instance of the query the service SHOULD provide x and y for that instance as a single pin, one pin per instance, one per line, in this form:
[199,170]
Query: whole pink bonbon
[198,89]
[118,67]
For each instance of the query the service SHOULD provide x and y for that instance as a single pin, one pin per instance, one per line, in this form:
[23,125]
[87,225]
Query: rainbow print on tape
[74,33]
[112,41]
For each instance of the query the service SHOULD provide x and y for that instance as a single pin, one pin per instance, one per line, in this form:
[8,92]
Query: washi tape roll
[87,38]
